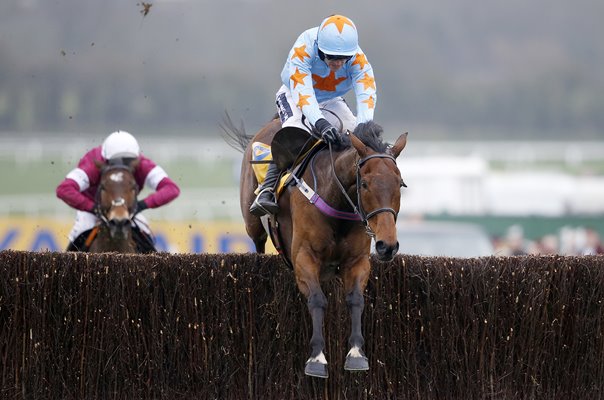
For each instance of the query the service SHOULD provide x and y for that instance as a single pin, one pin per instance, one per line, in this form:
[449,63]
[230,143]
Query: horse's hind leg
[256,232]
[260,244]
[253,225]
[355,281]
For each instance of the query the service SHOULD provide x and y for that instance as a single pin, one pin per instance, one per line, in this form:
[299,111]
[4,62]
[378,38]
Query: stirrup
[260,209]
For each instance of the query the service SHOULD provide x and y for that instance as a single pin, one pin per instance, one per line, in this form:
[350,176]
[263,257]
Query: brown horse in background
[116,205]
[364,204]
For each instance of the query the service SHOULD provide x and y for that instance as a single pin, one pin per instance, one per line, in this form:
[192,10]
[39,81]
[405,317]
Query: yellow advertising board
[35,234]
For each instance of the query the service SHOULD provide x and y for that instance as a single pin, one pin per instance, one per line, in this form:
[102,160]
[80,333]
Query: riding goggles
[337,57]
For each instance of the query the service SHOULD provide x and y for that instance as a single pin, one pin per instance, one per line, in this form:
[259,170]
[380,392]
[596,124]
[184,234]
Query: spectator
[593,244]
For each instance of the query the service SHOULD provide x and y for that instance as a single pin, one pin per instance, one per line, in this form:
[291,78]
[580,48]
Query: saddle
[291,150]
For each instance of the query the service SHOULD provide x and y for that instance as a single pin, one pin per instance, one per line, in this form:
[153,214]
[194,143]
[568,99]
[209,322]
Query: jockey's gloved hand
[140,206]
[329,134]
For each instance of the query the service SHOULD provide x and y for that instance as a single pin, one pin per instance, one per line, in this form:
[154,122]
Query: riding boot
[265,202]
[79,243]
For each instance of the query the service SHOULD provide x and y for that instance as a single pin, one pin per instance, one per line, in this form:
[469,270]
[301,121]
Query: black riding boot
[265,202]
[79,243]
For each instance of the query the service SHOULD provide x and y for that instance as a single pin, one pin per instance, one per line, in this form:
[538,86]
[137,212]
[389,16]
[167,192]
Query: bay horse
[116,200]
[357,190]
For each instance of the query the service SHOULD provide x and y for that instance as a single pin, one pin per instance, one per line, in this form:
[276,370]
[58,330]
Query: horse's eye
[364,184]
[403,183]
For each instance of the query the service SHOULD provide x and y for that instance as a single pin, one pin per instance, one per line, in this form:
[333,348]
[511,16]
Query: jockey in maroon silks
[80,186]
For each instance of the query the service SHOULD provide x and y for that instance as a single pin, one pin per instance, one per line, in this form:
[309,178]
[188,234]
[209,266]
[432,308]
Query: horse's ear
[99,164]
[134,164]
[399,145]
[358,145]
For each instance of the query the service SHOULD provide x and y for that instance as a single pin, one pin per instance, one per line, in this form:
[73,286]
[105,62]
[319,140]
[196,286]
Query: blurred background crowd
[579,241]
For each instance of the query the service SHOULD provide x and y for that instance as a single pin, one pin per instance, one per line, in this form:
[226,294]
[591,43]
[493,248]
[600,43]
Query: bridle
[120,201]
[359,209]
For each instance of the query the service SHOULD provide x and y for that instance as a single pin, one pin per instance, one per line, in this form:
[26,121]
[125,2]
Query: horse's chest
[340,255]
[329,270]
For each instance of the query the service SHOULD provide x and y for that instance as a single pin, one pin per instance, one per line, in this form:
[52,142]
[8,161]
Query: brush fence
[233,326]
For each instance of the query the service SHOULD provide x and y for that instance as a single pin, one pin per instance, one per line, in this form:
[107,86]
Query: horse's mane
[121,162]
[370,133]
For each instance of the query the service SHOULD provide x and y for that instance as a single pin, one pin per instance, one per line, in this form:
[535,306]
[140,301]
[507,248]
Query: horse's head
[116,196]
[379,185]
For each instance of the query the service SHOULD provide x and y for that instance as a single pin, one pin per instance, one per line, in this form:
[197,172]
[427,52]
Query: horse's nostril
[382,248]
[119,222]
[385,250]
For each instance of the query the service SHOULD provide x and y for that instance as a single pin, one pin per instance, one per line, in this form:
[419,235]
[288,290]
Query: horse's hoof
[316,369]
[359,363]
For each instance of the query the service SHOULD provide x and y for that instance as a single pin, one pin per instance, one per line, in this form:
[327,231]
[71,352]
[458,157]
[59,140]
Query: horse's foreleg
[308,283]
[317,302]
[316,365]
[354,283]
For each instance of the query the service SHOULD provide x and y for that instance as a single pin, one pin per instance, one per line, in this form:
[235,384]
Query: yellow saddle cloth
[261,158]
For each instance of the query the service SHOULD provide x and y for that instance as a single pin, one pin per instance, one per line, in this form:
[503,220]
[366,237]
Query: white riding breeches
[85,221]
[335,111]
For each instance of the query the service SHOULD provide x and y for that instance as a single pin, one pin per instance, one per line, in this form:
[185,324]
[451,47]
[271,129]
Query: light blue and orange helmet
[338,36]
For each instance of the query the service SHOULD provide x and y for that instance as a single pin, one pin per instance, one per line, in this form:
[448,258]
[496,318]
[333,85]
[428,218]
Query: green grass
[43,176]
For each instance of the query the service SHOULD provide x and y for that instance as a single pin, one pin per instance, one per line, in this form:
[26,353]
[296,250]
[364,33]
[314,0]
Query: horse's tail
[234,136]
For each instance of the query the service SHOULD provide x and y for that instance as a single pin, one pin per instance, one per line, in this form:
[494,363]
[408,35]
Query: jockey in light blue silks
[324,64]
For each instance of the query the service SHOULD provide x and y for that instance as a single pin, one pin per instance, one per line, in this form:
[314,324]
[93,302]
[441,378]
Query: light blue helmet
[338,36]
